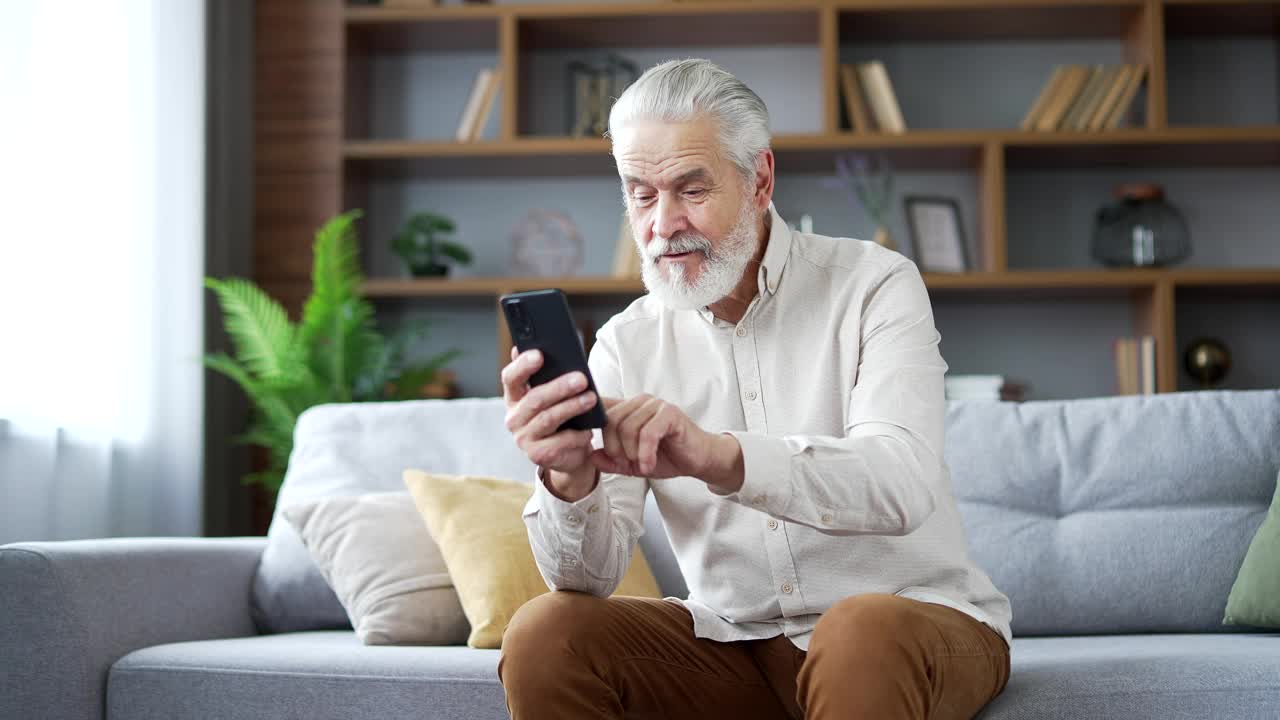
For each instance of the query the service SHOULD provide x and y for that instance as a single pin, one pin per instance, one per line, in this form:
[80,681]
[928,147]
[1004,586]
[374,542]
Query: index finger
[515,376]
[609,402]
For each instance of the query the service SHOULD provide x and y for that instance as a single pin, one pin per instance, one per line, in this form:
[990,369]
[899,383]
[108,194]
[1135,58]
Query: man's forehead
[666,152]
[676,176]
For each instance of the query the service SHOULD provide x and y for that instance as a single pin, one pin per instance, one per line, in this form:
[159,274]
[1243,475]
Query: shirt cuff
[766,476]
[576,524]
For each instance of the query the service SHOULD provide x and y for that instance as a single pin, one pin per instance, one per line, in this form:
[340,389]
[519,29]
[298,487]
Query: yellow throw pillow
[477,523]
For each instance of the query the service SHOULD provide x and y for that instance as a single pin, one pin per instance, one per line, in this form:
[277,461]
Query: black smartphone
[541,320]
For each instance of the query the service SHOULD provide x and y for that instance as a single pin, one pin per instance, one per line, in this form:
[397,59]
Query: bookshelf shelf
[1018,281]
[917,149]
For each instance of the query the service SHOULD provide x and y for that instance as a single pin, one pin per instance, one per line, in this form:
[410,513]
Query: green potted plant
[422,249]
[335,354]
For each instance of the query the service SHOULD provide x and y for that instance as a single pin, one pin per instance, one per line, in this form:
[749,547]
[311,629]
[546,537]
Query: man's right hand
[534,414]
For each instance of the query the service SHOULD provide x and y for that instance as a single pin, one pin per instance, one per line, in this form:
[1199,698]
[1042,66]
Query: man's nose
[669,217]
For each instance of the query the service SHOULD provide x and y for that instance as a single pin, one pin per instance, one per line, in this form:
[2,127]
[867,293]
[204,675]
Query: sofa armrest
[69,610]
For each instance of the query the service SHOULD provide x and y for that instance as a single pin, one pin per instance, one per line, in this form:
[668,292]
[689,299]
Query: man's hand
[647,437]
[534,414]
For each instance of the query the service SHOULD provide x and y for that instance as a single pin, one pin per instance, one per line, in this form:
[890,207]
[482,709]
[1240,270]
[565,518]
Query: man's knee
[871,621]
[548,624]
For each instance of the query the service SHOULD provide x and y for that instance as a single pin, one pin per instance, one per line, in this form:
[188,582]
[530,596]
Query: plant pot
[429,270]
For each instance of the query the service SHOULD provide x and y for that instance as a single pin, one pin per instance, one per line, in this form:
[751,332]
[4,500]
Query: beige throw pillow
[477,523]
[376,554]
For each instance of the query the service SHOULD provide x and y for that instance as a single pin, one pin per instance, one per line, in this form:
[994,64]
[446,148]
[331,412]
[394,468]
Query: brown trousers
[569,655]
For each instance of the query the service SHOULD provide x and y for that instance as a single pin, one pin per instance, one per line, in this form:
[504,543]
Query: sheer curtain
[101,257]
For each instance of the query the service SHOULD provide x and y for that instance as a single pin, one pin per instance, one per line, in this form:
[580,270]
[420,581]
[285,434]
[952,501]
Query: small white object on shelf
[973,387]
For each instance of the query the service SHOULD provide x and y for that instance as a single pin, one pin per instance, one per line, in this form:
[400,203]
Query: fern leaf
[266,343]
[337,323]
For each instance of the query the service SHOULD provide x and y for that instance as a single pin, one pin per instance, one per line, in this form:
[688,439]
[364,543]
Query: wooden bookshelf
[317,155]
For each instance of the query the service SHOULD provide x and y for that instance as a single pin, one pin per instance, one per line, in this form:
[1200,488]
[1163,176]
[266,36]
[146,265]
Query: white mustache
[678,244]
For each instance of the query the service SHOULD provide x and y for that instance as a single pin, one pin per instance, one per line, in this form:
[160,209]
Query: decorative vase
[884,239]
[1207,360]
[1140,230]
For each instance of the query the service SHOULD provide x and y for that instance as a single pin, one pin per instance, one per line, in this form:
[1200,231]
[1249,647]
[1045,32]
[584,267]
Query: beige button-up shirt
[833,385]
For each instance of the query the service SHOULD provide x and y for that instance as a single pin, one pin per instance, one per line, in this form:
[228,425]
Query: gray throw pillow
[378,556]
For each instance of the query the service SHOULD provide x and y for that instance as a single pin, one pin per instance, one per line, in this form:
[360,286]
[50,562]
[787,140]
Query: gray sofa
[1115,525]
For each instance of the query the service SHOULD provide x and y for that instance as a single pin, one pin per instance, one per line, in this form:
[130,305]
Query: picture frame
[937,234]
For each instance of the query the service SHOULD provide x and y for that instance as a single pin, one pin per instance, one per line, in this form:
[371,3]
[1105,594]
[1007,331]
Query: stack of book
[983,387]
[869,99]
[475,113]
[1135,365]
[1085,98]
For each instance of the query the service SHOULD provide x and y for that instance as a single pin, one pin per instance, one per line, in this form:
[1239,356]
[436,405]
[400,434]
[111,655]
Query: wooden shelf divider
[991,200]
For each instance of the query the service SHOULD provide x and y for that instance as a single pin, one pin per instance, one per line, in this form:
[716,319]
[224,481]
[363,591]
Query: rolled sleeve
[560,533]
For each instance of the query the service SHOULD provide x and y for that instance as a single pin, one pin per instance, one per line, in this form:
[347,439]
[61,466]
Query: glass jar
[1140,230]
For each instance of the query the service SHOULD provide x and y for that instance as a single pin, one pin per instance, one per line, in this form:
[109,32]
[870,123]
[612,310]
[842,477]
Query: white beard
[720,270]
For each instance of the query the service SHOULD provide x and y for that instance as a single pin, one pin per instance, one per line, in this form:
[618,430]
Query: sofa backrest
[1101,515]
[1111,515]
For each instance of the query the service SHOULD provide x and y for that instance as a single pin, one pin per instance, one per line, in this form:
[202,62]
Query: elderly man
[781,395]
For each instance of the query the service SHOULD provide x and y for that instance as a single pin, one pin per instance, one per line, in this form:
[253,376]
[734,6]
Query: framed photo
[937,236]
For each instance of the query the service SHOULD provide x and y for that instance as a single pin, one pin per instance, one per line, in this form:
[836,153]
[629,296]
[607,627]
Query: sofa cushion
[378,556]
[1255,597]
[1170,677]
[1115,515]
[476,523]
[356,448]
[330,674]
[320,674]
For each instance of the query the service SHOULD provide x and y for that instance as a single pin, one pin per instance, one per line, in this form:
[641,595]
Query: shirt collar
[775,259]
[777,252]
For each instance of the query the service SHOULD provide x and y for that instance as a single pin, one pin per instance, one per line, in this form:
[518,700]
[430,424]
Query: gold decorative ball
[1207,360]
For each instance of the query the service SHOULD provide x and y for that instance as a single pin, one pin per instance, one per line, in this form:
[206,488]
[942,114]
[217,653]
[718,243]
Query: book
[1126,98]
[489,94]
[1042,100]
[1135,359]
[884,103]
[1065,94]
[1110,98]
[1081,104]
[854,104]
[472,108]
[1147,361]
[1126,366]
[1092,96]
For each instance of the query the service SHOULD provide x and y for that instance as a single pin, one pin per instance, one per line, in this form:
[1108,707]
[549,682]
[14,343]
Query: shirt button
[786,588]
[826,517]
[742,331]
[572,519]
[773,524]
[592,509]
[571,562]
[757,500]
[751,394]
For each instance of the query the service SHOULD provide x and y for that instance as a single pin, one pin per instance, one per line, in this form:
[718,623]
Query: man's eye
[699,192]
[642,198]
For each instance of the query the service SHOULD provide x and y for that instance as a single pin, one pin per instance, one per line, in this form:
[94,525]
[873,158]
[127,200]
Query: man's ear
[764,179]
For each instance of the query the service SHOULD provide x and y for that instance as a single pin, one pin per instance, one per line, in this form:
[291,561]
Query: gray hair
[683,90]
